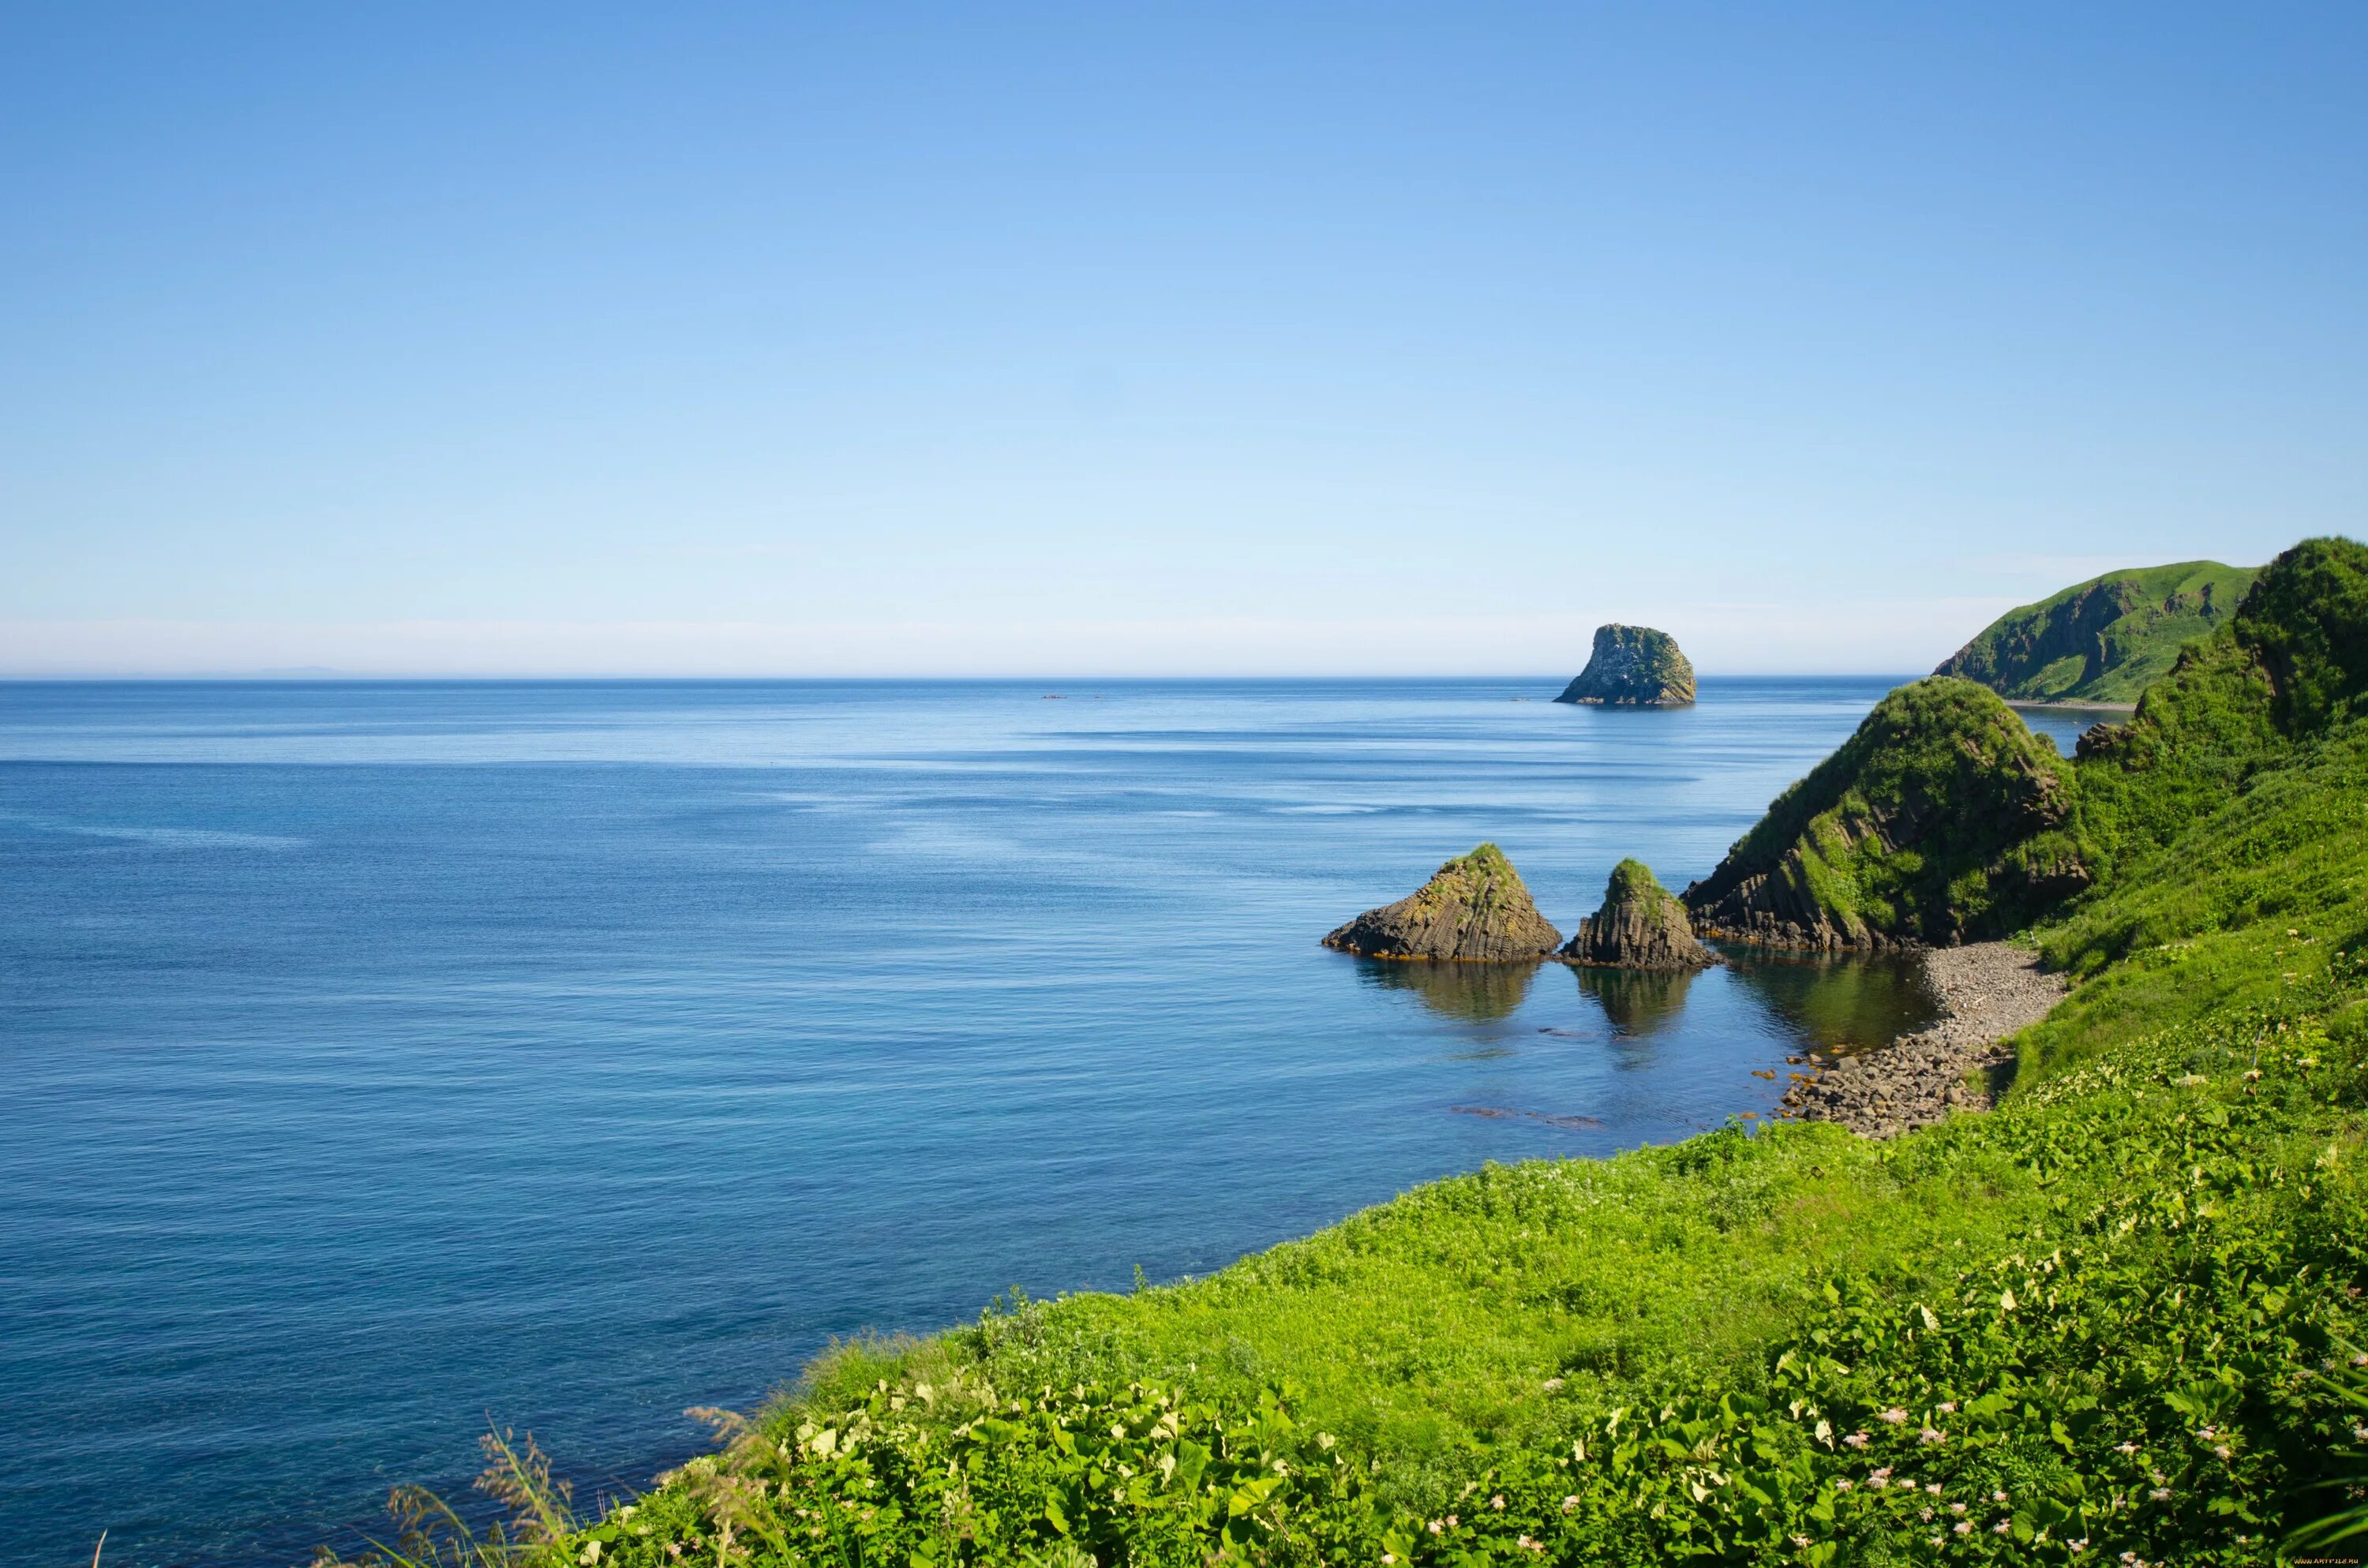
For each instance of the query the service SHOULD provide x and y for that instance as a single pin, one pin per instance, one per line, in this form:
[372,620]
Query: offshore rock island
[1641,925]
[1633,667]
[1474,909]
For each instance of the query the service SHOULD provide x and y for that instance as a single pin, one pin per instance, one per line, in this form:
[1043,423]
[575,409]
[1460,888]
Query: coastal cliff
[1633,667]
[1943,819]
[1473,909]
[2102,640]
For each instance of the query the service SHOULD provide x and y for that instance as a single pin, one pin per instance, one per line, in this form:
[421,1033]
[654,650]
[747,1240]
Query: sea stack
[1474,909]
[1633,667]
[1641,925]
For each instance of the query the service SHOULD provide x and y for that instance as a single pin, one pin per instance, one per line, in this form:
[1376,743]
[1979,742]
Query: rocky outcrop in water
[1474,909]
[1633,667]
[1641,925]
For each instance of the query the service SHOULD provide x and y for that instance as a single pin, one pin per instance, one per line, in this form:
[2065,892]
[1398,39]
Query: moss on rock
[1474,908]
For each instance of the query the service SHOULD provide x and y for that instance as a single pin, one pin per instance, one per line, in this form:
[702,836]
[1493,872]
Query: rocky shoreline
[1987,992]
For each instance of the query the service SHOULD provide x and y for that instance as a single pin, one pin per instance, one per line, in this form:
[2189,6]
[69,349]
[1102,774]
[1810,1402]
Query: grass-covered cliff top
[1634,890]
[2104,639]
[1482,880]
[2118,1319]
[1632,882]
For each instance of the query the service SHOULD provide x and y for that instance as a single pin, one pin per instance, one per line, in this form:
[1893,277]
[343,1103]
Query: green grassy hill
[2118,1319]
[1942,818]
[2104,639]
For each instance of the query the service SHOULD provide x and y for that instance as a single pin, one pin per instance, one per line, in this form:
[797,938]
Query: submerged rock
[1633,667]
[1641,925]
[1474,908]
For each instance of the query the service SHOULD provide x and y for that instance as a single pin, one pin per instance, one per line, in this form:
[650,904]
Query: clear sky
[1188,338]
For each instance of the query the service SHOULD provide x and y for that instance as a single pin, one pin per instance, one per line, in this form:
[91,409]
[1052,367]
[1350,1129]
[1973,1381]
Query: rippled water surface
[380,1056]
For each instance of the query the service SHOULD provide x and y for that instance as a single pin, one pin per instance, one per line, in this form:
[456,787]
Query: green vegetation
[2287,668]
[1632,883]
[2105,640]
[1483,880]
[1942,818]
[2115,1321]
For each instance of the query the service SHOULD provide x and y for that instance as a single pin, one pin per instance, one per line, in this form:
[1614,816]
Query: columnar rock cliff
[1474,908]
[1633,667]
[1943,819]
[1641,925]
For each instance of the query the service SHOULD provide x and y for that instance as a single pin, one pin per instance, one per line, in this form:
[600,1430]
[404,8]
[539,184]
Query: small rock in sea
[1474,908]
[1641,925]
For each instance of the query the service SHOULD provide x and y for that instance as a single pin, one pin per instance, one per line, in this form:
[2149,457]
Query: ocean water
[377,1058]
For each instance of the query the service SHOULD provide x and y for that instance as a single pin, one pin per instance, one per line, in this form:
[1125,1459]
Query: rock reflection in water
[1476,993]
[1639,1002]
[1836,1004]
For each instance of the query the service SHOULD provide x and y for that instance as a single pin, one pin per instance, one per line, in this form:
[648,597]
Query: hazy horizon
[1065,342]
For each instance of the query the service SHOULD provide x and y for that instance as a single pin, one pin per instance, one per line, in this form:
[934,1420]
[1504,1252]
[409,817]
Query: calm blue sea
[377,1057]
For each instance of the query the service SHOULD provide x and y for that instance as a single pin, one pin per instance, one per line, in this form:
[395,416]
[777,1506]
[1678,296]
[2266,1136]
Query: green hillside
[1942,818]
[2104,639]
[2118,1319]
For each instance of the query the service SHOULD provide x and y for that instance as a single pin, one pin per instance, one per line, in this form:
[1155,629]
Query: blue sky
[1132,339]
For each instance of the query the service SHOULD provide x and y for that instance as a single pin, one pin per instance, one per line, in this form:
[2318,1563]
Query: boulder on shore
[1474,909]
[1633,667]
[1641,925]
